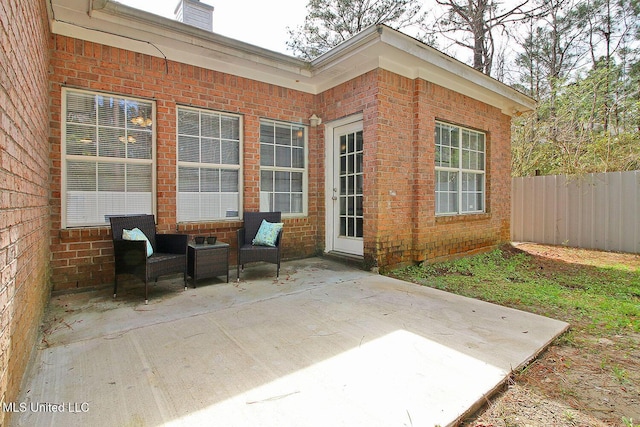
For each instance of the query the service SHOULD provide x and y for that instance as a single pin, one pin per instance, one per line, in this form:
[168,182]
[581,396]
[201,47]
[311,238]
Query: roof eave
[378,46]
[121,26]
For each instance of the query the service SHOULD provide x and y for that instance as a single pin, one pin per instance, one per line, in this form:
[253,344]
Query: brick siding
[399,117]
[24,187]
[437,238]
[84,257]
[399,136]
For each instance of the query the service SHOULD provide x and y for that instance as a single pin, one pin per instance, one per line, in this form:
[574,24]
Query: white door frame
[330,155]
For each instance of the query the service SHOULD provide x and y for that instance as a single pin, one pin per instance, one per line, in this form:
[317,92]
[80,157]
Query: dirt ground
[582,379]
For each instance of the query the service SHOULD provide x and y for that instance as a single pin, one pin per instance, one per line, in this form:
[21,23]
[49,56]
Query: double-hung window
[460,170]
[208,165]
[108,156]
[283,167]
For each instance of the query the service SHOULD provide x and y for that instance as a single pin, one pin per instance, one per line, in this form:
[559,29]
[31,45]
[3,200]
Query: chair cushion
[267,233]
[137,234]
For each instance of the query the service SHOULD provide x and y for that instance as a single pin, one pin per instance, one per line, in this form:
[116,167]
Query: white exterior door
[345,214]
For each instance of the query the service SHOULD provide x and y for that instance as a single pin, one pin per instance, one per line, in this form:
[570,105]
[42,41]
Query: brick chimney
[193,12]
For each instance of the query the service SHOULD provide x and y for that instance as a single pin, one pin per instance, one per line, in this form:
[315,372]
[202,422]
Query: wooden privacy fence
[596,211]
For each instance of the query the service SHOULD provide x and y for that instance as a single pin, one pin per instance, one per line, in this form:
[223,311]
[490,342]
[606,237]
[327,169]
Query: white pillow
[137,234]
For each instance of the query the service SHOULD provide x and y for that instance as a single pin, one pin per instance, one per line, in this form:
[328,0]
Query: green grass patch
[600,299]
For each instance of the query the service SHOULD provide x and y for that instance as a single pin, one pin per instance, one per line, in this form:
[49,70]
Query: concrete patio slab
[325,344]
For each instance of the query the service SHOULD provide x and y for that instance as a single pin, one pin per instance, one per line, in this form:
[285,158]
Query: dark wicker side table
[205,260]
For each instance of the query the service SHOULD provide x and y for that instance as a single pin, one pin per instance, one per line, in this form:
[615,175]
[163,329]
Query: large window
[107,157]
[208,165]
[283,167]
[460,170]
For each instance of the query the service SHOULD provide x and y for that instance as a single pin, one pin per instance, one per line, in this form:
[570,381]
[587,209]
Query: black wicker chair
[247,252]
[169,251]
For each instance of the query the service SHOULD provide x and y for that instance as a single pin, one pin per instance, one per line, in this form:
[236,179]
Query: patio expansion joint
[302,341]
[237,305]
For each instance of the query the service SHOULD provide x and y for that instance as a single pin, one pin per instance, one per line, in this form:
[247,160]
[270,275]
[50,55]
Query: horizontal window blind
[283,170]
[208,165]
[108,157]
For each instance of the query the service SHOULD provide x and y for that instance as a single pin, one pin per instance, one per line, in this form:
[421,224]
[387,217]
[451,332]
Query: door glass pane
[351,184]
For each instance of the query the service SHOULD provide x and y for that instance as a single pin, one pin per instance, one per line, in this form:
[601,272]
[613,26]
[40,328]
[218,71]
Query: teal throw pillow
[267,233]
[137,234]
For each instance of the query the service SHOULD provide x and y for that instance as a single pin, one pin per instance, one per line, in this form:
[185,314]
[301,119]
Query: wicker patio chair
[247,252]
[169,252]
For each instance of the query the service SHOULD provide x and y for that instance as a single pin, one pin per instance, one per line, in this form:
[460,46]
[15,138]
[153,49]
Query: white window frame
[460,170]
[101,215]
[264,195]
[202,216]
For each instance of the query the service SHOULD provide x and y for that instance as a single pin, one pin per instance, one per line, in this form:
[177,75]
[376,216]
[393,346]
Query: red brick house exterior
[24,186]
[387,90]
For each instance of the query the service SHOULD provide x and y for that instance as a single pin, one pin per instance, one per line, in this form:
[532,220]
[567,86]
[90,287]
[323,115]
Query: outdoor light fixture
[314,120]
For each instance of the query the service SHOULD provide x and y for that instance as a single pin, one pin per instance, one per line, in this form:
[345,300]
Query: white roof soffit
[117,25]
[114,24]
[406,56]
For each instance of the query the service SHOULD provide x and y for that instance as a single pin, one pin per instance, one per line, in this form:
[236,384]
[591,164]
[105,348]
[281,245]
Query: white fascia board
[383,47]
[114,24]
[350,59]
[415,59]
[127,28]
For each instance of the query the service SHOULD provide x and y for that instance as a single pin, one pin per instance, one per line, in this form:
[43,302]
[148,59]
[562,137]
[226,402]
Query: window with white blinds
[208,165]
[283,167]
[107,157]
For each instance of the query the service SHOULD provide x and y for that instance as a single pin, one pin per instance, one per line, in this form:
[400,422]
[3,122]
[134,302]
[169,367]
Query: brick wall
[24,186]
[356,96]
[437,238]
[84,257]
[399,122]
[397,147]
[399,117]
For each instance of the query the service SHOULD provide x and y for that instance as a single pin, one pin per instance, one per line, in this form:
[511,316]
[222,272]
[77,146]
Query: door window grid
[460,170]
[351,185]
